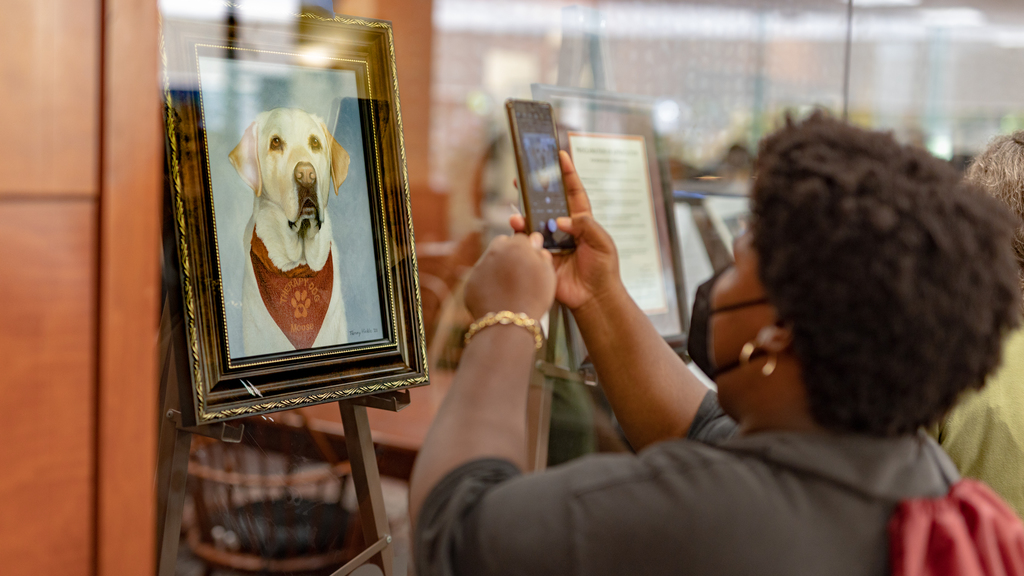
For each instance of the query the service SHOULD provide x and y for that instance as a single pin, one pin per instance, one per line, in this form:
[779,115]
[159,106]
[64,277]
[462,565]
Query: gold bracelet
[504,318]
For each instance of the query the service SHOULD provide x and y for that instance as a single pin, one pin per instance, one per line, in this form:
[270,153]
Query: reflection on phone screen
[544,178]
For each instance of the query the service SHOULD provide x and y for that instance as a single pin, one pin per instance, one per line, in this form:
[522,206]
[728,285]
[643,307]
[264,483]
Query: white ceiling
[994,10]
[987,21]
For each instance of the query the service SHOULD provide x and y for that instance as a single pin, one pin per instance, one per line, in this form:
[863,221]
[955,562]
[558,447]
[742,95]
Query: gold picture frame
[290,267]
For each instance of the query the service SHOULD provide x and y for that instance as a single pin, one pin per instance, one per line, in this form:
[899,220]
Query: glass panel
[304,103]
[719,75]
[939,74]
[722,73]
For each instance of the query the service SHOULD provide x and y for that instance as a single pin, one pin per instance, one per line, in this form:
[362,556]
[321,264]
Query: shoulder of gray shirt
[711,425]
[455,497]
[879,469]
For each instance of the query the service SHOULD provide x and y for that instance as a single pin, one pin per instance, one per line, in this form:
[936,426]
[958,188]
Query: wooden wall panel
[49,97]
[411,20]
[414,37]
[47,373]
[130,203]
[80,191]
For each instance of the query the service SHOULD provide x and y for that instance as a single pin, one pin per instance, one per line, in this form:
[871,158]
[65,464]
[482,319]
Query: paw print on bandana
[301,303]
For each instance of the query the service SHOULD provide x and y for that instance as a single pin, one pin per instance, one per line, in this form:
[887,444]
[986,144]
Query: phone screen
[540,171]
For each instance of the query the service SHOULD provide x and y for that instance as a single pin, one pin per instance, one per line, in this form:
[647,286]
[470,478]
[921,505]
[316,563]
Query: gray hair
[999,170]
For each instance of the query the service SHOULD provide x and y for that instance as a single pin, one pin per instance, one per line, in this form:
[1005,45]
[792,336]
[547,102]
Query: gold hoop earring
[769,367]
[747,352]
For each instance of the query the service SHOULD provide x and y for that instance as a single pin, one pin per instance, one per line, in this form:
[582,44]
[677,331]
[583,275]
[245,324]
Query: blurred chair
[271,504]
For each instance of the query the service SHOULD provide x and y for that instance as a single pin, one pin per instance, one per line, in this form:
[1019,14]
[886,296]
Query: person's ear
[775,338]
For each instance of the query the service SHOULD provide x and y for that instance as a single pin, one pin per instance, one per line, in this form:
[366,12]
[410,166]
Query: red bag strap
[968,532]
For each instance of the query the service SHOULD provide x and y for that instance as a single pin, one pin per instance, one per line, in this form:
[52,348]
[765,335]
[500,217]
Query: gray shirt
[714,503]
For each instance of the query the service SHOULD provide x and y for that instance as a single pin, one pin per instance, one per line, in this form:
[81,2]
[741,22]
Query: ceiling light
[952,17]
[883,3]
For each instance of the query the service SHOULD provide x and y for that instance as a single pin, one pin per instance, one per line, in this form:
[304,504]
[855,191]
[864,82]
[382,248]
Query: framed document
[615,172]
[612,143]
[290,217]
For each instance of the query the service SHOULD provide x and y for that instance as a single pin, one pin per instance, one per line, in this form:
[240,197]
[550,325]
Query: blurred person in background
[873,288]
[984,434]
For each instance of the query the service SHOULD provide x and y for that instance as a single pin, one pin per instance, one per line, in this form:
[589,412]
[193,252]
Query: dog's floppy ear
[339,161]
[246,159]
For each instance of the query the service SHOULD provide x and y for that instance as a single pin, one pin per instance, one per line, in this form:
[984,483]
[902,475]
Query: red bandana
[297,299]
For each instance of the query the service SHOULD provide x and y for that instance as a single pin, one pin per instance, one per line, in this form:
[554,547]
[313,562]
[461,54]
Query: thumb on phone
[585,230]
[517,222]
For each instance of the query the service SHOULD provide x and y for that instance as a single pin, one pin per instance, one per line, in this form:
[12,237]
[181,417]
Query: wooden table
[405,429]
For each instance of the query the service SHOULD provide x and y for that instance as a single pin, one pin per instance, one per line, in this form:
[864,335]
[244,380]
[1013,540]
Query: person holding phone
[871,290]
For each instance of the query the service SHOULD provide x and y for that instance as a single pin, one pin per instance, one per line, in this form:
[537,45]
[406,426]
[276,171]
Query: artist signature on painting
[364,331]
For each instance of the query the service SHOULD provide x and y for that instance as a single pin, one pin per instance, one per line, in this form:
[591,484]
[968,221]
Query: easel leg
[366,478]
[172,465]
[538,407]
[172,474]
[538,420]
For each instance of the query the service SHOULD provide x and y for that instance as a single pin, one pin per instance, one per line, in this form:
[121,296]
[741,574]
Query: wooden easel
[584,49]
[172,473]
[175,441]
[546,368]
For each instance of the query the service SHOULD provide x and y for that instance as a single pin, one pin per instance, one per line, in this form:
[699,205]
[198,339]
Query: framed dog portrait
[296,277]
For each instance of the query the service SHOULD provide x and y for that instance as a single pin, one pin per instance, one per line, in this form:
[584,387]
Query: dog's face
[288,158]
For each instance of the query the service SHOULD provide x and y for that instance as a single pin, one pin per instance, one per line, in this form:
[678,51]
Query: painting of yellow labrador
[291,207]
[291,292]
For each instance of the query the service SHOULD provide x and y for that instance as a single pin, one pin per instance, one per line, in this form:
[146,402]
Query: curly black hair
[897,278]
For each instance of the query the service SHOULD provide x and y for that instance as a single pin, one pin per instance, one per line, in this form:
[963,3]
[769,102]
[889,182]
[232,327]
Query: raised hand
[515,274]
[592,270]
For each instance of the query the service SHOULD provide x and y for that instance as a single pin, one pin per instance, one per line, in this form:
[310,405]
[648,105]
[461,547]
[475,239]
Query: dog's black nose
[305,175]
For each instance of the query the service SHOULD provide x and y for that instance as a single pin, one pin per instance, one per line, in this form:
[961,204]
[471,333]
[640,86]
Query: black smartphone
[540,175]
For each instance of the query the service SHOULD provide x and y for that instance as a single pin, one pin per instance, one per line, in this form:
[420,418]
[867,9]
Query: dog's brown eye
[314,143]
[276,144]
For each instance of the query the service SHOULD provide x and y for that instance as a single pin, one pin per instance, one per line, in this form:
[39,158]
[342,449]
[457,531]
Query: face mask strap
[748,353]
[699,342]
[744,355]
[731,307]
